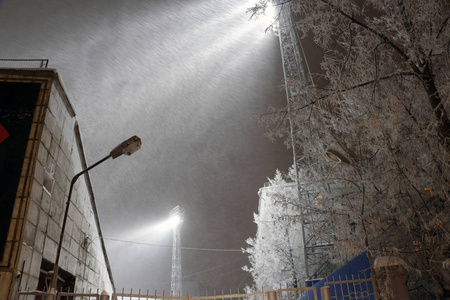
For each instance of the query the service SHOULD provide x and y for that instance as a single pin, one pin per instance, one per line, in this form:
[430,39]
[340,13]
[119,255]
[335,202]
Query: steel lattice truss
[314,247]
[175,283]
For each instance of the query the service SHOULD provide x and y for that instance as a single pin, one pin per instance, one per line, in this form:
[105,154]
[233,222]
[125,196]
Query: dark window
[17,104]
[66,281]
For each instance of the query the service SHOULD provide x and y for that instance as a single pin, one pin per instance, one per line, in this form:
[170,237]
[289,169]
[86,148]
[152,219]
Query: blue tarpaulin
[357,268]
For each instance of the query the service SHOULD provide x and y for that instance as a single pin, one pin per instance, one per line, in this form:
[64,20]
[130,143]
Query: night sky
[189,78]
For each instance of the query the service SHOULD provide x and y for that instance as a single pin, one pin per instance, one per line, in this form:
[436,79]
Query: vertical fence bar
[325,293]
[349,287]
[271,295]
[335,289]
[315,293]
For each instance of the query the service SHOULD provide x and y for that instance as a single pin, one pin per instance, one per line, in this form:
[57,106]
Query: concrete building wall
[266,204]
[54,155]
[287,230]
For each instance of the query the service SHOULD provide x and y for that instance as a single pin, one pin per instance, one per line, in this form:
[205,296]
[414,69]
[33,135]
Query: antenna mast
[315,259]
[175,283]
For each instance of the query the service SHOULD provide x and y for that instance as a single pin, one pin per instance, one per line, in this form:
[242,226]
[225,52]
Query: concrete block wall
[58,160]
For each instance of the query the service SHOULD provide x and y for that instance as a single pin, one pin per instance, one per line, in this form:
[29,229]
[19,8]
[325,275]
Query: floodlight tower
[177,214]
[314,248]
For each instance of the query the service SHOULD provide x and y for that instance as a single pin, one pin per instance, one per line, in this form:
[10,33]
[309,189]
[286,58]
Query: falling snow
[186,77]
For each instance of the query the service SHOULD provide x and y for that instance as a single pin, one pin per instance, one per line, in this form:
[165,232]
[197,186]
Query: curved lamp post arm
[66,213]
[127,147]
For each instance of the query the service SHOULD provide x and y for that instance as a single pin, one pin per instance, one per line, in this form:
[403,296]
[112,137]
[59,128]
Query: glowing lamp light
[270,12]
[268,17]
[172,222]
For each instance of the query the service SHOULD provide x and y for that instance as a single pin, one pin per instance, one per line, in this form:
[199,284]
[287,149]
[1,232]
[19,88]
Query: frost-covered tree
[275,253]
[381,111]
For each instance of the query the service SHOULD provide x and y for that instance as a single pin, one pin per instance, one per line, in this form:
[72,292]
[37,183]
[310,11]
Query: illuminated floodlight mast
[175,220]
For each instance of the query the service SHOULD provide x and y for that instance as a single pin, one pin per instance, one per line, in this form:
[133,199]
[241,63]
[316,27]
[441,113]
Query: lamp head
[127,147]
[177,212]
[176,217]
[336,156]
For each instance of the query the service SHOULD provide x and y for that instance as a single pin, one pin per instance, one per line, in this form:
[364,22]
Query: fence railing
[32,295]
[342,289]
[351,288]
[91,296]
[29,295]
[305,293]
[134,296]
[23,63]
[39,295]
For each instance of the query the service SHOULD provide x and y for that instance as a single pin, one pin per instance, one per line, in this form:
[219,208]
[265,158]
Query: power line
[170,246]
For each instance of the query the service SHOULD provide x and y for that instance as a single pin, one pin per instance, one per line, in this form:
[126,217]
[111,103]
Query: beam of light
[268,16]
[217,49]
[192,56]
[152,233]
[270,13]
[172,222]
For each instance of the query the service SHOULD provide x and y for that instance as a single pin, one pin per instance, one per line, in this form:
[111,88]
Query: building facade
[282,239]
[277,257]
[40,152]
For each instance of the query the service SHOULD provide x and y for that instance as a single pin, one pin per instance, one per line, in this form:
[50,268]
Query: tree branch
[423,72]
[363,84]
[382,36]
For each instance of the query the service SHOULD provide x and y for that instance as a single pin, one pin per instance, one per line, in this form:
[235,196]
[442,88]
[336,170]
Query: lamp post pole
[127,147]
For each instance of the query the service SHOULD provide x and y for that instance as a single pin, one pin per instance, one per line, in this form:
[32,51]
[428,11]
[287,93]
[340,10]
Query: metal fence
[146,295]
[306,293]
[37,295]
[24,63]
[31,295]
[339,289]
[351,289]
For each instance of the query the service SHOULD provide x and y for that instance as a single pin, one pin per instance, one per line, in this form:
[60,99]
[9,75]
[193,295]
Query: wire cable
[170,246]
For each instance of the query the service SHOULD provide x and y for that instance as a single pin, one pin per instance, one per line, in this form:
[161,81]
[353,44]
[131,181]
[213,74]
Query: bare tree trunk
[443,122]
[291,262]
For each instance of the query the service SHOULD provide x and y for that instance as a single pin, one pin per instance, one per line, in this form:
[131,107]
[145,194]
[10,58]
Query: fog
[189,78]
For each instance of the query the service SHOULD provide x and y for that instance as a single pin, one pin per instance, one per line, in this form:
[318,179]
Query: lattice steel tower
[177,214]
[314,248]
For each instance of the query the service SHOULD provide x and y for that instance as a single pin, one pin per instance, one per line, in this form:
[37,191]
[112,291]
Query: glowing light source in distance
[169,224]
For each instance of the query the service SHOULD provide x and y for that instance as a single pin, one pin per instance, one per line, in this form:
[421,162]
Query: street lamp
[127,147]
[337,156]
